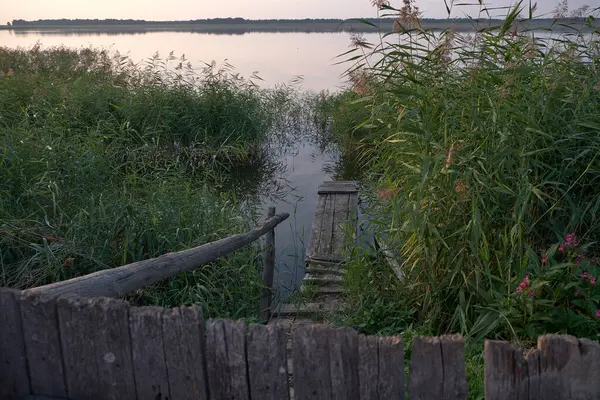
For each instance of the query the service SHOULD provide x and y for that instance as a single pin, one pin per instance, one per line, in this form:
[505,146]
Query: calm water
[300,162]
[276,57]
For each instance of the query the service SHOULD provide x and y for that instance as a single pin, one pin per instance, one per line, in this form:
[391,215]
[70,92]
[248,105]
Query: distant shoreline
[241,26]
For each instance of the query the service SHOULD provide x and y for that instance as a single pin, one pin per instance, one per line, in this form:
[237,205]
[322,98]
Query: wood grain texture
[368,367]
[267,363]
[333,187]
[325,245]
[426,372]
[569,368]
[315,236]
[506,372]
[343,364]
[340,218]
[455,385]
[310,349]
[42,344]
[96,348]
[183,341]
[14,377]
[149,362]
[562,367]
[390,383]
[117,282]
[226,360]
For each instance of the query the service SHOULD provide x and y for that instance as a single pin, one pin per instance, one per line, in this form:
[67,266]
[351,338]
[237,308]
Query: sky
[251,9]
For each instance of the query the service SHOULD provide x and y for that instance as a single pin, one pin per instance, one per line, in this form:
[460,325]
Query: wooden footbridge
[322,286]
[76,340]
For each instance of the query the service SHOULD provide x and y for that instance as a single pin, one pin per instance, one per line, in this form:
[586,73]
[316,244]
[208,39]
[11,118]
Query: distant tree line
[220,21]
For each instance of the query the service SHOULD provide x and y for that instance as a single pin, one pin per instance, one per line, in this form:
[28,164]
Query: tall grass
[482,154]
[104,162]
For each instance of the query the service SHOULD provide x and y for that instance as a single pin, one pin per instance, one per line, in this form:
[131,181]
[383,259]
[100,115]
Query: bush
[482,151]
[104,162]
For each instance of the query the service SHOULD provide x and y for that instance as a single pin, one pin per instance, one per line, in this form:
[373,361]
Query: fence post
[268,271]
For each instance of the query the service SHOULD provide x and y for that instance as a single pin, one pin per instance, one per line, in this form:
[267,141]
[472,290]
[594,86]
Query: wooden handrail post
[268,272]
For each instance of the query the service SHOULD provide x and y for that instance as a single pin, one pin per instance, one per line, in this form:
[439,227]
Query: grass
[104,162]
[480,155]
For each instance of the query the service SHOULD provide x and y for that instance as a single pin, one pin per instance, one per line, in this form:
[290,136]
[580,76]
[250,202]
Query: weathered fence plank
[343,363]
[368,367]
[267,363]
[149,363]
[42,345]
[310,349]
[117,282]
[14,379]
[430,373]
[96,348]
[391,368]
[562,367]
[183,340]
[455,376]
[226,360]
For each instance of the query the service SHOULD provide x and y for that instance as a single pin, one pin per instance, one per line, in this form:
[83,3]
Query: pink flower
[519,289]
[561,247]
[598,313]
[570,239]
[585,275]
[531,293]
[592,280]
[579,258]
[544,260]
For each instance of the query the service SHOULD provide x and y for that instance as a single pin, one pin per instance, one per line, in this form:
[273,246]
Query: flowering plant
[560,293]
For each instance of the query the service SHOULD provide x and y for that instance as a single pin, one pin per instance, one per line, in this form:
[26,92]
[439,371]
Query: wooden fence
[99,348]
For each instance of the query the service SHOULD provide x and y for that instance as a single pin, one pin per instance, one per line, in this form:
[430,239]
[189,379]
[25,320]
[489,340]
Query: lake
[276,57]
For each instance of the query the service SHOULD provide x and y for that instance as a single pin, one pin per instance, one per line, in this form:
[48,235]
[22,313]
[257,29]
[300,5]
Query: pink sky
[253,9]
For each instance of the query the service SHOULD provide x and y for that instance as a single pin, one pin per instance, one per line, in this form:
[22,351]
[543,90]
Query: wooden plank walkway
[321,291]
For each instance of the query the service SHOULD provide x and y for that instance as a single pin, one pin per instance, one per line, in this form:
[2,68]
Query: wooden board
[315,236]
[343,362]
[310,349]
[333,187]
[267,363]
[14,377]
[42,343]
[430,375]
[183,339]
[368,368]
[562,367]
[149,363]
[96,348]
[390,384]
[226,360]
[340,219]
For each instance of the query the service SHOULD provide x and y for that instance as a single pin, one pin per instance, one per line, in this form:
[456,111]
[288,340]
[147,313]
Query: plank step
[308,308]
[330,278]
[314,270]
[323,289]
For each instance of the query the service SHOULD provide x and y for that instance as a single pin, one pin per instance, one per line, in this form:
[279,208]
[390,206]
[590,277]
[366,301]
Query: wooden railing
[99,348]
[117,282]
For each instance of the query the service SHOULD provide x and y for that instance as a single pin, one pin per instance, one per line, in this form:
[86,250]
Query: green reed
[482,153]
[104,162]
